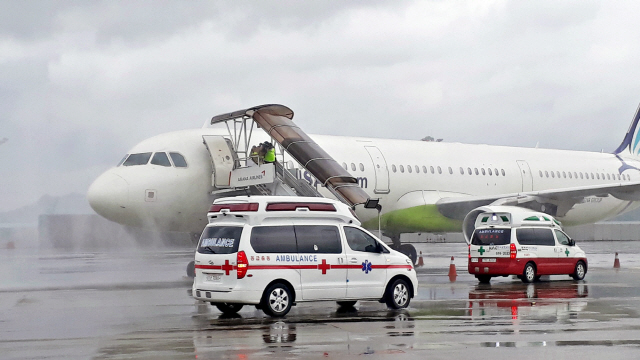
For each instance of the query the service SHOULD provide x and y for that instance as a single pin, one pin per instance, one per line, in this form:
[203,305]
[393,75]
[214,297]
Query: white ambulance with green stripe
[511,240]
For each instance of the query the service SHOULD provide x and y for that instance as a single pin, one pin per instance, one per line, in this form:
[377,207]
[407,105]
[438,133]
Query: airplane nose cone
[109,196]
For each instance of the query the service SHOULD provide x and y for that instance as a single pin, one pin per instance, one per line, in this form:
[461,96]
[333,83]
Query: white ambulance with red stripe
[510,240]
[275,251]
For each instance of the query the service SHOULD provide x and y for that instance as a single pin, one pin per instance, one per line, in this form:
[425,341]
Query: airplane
[168,182]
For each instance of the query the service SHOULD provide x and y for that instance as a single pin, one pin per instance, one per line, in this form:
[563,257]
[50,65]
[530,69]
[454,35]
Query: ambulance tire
[410,251]
[346,304]
[580,271]
[228,308]
[484,279]
[191,269]
[397,295]
[529,273]
[277,300]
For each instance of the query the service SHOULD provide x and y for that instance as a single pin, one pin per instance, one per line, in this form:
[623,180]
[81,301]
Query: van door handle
[353,261]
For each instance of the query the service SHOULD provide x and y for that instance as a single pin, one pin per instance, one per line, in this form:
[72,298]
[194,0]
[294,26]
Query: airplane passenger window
[353,167]
[570,177]
[540,173]
[497,172]
[502,172]
[469,171]
[483,173]
[361,167]
[450,170]
[558,172]
[553,175]
[401,169]
[564,174]
[417,169]
[409,169]
[608,178]
[461,171]
[161,159]
[393,168]
[123,159]
[490,173]
[344,165]
[476,170]
[598,175]
[546,173]
[424,169]
[432,171]
[178,160]
[618,177]
[575,174]
[137,159]
[439,170]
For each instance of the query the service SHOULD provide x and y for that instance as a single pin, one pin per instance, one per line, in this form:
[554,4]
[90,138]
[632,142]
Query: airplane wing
[555,202]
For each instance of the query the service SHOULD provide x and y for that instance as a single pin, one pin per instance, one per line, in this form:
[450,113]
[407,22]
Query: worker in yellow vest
[270,152]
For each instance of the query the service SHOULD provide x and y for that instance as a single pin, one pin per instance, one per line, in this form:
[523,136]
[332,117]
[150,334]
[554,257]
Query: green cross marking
[567,252]
[481,251]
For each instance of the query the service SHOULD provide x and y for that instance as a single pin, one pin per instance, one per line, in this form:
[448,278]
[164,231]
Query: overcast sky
[81,82]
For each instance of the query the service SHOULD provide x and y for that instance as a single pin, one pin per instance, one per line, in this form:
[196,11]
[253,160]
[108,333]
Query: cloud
[82,82]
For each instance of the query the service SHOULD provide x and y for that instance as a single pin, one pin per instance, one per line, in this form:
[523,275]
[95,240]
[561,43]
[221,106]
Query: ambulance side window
[562,238]
[358,240]
[535,236]
[273,239]
[316,239]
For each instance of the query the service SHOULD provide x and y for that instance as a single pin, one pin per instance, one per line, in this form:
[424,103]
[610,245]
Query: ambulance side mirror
[572,242]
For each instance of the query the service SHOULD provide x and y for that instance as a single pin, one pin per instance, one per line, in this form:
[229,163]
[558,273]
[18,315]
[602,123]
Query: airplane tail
[631,144]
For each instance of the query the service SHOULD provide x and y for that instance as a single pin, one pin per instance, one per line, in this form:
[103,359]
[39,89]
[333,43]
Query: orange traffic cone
[420,260]
[616,262]
[452,271]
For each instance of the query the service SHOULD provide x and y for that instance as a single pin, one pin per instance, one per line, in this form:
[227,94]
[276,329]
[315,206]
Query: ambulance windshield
[491,237]
[220,240]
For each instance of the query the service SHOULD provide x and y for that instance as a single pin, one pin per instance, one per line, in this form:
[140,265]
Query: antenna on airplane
[537,143]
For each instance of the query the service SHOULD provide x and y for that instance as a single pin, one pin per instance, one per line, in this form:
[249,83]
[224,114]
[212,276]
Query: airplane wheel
[228,308]
[191,269]
[410,251]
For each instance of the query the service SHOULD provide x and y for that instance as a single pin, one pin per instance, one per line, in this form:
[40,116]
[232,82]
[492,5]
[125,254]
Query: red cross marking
[227,267]
[324,266]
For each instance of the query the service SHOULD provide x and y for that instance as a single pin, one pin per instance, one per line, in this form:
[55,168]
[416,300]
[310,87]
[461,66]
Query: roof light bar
[288,206]
[234,207]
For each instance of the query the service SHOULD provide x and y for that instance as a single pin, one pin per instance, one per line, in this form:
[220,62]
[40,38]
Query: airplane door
[527,178]
[381,170]
[222,159]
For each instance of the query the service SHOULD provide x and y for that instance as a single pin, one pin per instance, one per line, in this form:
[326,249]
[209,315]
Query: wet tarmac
[137,305]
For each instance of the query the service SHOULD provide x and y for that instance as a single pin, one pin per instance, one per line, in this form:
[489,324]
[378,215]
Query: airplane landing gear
[406,249]
[191,269]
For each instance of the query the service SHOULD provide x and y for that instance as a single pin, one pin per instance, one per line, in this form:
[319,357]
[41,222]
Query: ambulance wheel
[397,295]
[228,308]
[484,279]
[410,251]
[346,304]
[191,269]
[277,300]
[580,271]
[529,273]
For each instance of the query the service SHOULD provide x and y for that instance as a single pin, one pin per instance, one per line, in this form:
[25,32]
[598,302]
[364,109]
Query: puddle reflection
[559,299]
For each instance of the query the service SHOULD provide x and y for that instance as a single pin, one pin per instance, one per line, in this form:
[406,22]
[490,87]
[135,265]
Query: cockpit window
[123,159]
[161,159]
[137,159]
[178,160]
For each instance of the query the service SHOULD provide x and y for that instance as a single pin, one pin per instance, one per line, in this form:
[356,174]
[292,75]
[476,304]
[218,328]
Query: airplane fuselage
[408,177]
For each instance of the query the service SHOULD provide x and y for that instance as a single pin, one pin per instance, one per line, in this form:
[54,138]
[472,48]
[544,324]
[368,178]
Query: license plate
[488,260]
[474,259]
[213,277]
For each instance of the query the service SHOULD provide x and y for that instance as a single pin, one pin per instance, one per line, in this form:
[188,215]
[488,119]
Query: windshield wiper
[210,249]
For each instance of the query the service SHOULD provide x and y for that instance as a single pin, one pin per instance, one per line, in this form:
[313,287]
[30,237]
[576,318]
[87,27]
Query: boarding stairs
[236,173]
